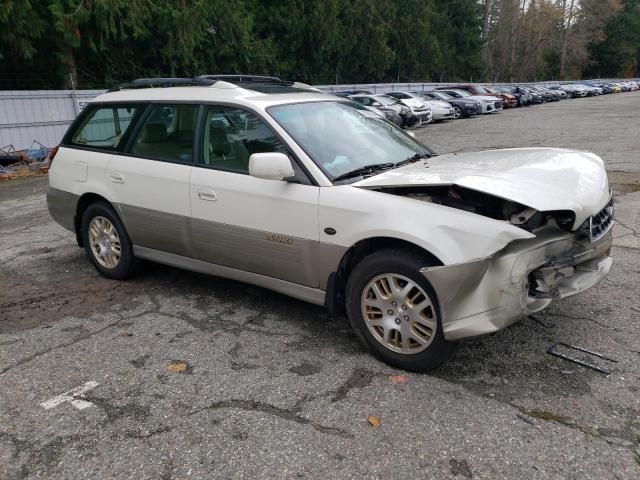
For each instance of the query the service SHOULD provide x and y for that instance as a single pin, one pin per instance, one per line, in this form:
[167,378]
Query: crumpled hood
[541,178]
[486,98]
[413,102]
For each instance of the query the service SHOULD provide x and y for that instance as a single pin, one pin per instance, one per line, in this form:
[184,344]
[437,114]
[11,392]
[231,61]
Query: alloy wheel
[104,242]
[399,313]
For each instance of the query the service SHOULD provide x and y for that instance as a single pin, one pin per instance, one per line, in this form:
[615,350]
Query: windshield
[462,93]
[387,100]
[481,90]
[340,139]
[442,95]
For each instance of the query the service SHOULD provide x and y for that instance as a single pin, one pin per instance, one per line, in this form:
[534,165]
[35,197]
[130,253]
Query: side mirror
[376,104]
[270,166]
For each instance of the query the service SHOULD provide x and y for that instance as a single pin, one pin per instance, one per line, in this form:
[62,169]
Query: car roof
[220,91]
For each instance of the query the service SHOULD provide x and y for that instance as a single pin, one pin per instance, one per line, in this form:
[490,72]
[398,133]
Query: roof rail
[160,82]
[200,80]
[243,79]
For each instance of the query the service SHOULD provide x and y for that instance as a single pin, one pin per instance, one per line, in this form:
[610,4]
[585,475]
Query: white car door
[150,183]
[255,225]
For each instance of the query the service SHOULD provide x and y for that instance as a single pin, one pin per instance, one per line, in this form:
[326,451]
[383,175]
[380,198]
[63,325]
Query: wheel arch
[336,283]
[84,201]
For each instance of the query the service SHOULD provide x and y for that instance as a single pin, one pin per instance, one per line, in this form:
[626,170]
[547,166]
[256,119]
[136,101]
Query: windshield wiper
[371,169]
[413,158]
[367,169]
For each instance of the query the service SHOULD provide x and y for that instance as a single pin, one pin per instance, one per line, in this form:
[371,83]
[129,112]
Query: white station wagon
[274,184]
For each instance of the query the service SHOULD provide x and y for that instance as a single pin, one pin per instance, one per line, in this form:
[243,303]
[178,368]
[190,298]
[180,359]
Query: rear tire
[394,311]
[106,242]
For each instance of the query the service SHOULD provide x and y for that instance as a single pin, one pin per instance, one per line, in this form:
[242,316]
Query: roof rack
[159,82]
[244,79]
[200,80]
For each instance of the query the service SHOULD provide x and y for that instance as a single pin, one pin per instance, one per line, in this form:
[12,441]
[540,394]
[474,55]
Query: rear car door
[251,224]
[150,180]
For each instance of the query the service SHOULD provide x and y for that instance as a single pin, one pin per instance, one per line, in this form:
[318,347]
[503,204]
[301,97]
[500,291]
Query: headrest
[219,141]
[154,133]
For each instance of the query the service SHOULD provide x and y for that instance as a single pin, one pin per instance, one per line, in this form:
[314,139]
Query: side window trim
[198,137]
[144,114]
[132,126]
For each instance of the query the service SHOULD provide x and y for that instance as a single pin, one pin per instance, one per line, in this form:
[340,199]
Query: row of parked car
[411,109]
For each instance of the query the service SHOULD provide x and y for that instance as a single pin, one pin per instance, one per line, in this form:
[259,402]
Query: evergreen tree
[618,54]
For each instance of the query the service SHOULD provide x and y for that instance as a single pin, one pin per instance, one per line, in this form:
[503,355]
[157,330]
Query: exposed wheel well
[84,201]
[334,299]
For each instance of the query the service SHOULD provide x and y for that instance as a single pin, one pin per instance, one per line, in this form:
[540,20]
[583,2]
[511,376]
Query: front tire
[394,311]
[457,112]
[106,242]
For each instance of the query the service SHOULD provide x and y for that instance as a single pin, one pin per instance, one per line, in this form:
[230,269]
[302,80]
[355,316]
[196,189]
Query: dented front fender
[488,294]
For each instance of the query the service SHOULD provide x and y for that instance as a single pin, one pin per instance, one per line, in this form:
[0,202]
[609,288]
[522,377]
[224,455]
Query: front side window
[104,127]
[167,133]
[232,135]
[340,139]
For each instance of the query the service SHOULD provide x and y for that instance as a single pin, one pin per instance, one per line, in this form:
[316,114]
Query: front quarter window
[340,139]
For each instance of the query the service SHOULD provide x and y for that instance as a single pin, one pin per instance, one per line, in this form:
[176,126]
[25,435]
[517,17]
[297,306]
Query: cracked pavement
[275,388]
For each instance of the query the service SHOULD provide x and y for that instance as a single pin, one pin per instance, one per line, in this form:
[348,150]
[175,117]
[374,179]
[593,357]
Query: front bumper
[488,108]
[442,113]
[425,117]
[486,295]
[474,110]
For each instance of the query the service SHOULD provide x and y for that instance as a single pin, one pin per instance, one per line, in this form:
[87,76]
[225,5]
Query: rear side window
[104,127]
[167,133]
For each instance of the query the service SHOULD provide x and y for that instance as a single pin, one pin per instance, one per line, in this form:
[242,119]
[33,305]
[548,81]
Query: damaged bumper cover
[486,295]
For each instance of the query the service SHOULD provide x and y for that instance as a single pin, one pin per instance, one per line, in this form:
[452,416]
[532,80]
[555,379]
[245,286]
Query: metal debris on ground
[20,163]
[553,350]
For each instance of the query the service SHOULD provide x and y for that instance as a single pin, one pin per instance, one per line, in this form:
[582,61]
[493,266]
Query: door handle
[116,177]
[207,194]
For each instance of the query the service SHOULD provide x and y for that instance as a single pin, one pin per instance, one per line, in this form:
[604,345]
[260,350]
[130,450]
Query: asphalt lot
[274,388]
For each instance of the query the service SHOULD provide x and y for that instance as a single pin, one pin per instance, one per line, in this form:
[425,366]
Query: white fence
[41,115]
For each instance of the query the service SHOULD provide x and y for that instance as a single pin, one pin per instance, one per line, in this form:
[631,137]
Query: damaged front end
[486,295]
[561,198]
[486,205]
